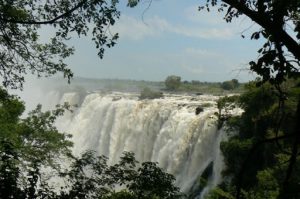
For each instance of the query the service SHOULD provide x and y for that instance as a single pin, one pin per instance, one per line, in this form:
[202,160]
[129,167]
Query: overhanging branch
[270,26]
[45,22]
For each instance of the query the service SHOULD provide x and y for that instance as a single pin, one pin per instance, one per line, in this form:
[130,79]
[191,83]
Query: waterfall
[164,130]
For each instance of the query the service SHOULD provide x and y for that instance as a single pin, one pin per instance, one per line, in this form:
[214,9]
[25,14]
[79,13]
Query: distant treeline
[174,83]
[170,84]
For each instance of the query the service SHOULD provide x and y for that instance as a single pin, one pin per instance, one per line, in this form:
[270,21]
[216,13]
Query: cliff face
[165,130]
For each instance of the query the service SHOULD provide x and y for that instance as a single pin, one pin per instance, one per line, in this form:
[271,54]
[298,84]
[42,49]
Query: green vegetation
[31,152]
[215,88]
[27,145]
[147,93]
[172,82]
[230,85]
[262,155]
[91,177]
[260,141]
[225,105]
[25,53]
[200,87]
[193,87]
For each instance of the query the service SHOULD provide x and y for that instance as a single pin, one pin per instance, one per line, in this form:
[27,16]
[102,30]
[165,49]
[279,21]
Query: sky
[170,37]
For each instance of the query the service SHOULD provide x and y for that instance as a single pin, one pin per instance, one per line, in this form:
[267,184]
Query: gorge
[168,130]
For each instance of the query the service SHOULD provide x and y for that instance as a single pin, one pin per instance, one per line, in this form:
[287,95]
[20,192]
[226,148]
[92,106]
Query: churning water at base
[165,130]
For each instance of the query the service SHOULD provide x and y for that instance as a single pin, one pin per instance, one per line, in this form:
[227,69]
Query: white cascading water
[164,130]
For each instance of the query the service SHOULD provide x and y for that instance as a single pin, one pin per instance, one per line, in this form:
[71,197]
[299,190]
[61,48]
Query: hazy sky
[171,38]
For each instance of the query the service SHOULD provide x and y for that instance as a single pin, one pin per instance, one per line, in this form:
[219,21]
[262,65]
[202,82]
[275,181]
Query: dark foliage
[23,52]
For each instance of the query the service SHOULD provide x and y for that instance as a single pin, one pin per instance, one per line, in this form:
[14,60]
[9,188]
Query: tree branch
[271,27]
[46,22]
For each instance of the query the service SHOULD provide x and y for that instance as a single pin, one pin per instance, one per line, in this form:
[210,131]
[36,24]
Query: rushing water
[167,131]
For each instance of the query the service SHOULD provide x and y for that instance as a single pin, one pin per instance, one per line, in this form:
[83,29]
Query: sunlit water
[164,130]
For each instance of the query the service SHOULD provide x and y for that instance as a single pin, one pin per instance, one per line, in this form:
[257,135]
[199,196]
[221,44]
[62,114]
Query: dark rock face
[201,182]
[199,109]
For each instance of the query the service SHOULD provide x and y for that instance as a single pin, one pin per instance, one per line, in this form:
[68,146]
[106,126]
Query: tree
[279,60]
[152,181]
[172,82]
[26,146]
[279,56]
[262,139]
[227,85]
[91,177]
[147,93]
[21,50]
[230,85]
[235,83]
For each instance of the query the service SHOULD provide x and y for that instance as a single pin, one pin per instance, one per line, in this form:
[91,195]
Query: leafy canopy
[172,82]
[258,153]
[26,146]
[22,51]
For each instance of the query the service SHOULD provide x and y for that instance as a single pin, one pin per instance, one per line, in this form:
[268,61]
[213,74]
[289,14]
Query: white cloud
[207,63]
[198,52]
[136,29]
[204,33]
[214,18]
[131,28]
